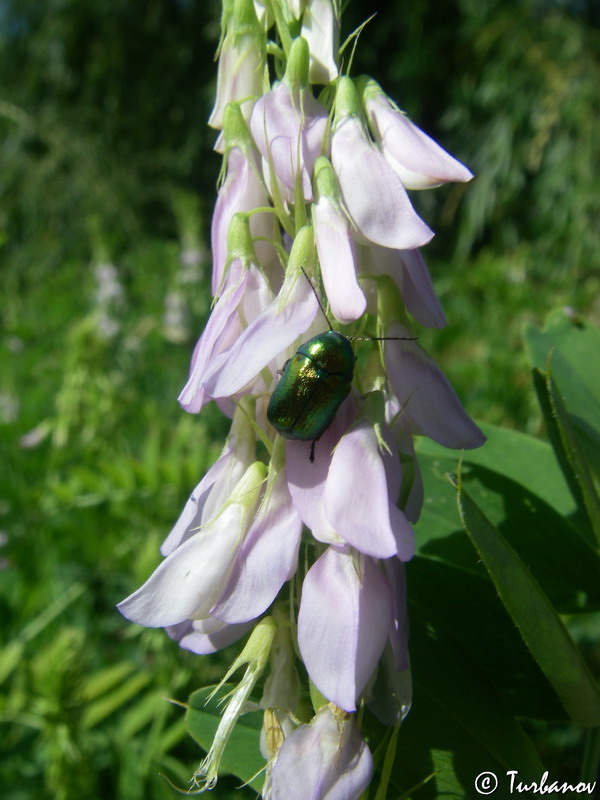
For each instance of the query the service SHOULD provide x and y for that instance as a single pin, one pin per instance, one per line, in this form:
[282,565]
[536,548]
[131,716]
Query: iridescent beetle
[314,382]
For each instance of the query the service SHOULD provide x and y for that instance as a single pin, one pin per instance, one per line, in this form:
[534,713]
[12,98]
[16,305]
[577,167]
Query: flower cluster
[313,204]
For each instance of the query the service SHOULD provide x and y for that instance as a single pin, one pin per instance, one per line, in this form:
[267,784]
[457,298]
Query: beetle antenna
[318,299]
[383,338]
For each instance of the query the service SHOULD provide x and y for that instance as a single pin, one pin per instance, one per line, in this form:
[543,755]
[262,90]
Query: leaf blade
[540,626]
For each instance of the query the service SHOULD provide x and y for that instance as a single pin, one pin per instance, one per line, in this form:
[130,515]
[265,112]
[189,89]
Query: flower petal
[338,262]
[356,500]
[372,192]
[223,316]
[240,75]
[281,323]
[324,760]
[188,582]
[267,558]
[241,191]
[306,479]
[243,437]
[341,648]
[189,519]
[415,157]
[418,293]
[208,635]
[289,130]
[391,697]
[408,270]
[320,28]
[413,499]
[428,401]
[396,574]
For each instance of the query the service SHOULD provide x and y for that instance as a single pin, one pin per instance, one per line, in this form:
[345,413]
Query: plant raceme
[309,555]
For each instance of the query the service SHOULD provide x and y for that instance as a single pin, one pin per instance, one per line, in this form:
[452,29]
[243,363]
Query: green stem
[282,28]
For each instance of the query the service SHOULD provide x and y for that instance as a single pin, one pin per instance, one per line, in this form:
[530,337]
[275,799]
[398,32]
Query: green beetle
[315,382]
[313,385]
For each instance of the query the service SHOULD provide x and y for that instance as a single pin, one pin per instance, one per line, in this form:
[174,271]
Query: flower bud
[241,61]
[321,29]
[255,654]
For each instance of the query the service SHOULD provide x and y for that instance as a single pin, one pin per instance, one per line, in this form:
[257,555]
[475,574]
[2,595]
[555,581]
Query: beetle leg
[311,457]
[283,369]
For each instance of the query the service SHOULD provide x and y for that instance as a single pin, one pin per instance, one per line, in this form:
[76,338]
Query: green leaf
[458,724]
[242,755]
[11,656]
[568,572]
[109,703]
[572,347]
[102,680]
[466,608]
[147,708]
[511,453]
[540,626]
[568,448]
[438,532]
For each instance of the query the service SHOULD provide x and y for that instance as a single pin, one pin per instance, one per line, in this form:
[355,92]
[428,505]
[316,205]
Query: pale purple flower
[207,635]
[341,648]
[287,317]
[348,494]
[222,328]
[9,412]
[288,126]
[243,190]
[108,290]
[282,689]
[281,194]
[418,294]
[373,194]
[390,696]
[267,558]
[360,495]
[324,760]
[175,317]
[410,273]
[415,157]
[217,485]
[336,249]
[306,480]
[238,539]
[190,580]
[428,401]
[337,257]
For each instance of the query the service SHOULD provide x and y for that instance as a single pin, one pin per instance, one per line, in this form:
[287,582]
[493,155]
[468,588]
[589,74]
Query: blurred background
[107,183]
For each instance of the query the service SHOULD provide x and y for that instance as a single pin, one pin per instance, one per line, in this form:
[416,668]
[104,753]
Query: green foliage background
[107,186]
